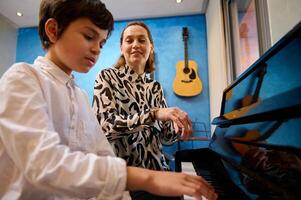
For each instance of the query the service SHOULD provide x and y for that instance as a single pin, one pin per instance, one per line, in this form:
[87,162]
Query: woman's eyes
[142,40]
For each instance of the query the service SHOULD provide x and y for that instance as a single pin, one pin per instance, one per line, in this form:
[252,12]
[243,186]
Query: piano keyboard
[208,164]
[187,167]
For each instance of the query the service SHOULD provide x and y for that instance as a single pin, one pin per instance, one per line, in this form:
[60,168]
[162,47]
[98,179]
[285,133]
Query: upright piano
[255,151]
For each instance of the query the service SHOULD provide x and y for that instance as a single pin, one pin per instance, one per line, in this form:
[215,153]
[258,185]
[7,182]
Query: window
[247,34]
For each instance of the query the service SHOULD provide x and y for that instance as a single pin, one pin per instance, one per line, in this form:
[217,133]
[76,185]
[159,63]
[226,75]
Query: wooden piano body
[255,151]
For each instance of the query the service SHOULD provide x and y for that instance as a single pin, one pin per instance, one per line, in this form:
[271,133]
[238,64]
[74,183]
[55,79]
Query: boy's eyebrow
[91,29]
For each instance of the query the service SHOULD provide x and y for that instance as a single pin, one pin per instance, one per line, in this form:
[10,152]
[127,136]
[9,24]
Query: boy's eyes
[91,37]
[101,45]
[88,37]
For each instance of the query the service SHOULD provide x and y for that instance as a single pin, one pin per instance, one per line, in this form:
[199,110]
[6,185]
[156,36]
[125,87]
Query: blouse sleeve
[115,124]
[168,134]
[36,150]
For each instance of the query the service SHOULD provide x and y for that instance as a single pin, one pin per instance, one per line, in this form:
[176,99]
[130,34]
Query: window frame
[229,8]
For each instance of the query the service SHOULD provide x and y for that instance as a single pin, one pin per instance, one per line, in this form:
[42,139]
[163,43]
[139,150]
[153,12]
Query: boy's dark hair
[67,11]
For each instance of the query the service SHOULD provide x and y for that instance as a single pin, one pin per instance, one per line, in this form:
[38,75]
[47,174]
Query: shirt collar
[54,70]
[133,76]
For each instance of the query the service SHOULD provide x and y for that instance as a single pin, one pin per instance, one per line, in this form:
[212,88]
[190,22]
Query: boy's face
[78,48]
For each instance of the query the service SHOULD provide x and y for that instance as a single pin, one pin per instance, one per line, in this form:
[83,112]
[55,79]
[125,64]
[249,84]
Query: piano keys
[208,164]
[187,168]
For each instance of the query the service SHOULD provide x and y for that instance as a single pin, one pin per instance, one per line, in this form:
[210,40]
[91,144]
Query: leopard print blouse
[122,102]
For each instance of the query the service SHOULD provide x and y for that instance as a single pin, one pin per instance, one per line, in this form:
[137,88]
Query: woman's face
[136,47]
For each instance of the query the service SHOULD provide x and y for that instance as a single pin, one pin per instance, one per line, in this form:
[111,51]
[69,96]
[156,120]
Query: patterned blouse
[123,101]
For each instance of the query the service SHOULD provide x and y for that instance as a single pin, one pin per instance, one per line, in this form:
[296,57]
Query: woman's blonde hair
[150,63]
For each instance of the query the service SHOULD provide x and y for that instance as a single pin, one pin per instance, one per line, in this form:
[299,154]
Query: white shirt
[51,146]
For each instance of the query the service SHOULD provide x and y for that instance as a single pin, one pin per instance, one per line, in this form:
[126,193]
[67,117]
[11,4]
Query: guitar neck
[185,52]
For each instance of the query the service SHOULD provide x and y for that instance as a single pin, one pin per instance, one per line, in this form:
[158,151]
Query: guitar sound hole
[186,70]
[192,75]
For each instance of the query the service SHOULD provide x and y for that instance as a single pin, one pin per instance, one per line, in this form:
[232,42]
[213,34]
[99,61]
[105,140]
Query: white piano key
[188,168]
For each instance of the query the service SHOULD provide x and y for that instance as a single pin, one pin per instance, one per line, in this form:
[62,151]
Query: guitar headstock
[185,33]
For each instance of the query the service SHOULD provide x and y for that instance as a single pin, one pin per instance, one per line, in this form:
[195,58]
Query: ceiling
[121,9]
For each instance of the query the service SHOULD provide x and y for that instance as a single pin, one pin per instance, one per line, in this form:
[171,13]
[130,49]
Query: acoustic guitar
[187,82]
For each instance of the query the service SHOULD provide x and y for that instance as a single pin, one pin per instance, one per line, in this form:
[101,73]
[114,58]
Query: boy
[50,145]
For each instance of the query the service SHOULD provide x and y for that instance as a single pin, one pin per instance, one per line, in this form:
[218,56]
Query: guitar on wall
[187,82]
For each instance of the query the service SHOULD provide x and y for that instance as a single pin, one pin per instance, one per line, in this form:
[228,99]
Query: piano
[255,150]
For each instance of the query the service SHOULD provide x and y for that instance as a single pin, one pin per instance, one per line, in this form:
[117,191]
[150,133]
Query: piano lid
[270,89]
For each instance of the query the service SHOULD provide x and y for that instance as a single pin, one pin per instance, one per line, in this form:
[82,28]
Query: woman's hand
[180,119]
[169,183]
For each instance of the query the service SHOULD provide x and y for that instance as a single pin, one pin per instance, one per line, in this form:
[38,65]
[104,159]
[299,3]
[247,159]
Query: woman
[131,107]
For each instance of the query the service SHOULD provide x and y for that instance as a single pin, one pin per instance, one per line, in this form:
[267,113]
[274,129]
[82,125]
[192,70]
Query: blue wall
[169,48]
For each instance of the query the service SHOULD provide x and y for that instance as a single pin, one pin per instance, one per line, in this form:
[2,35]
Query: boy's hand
[169,183]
